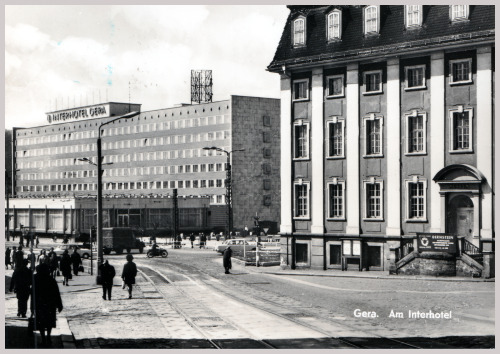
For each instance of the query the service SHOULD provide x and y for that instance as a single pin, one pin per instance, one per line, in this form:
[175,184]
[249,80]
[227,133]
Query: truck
[120,238]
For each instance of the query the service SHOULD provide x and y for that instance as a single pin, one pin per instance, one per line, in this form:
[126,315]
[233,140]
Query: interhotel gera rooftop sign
[97,111]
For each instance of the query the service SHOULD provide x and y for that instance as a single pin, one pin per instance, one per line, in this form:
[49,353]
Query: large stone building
[387,132]
[152,154]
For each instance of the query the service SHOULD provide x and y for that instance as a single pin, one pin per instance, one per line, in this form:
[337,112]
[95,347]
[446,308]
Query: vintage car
[237,244]
[84,252]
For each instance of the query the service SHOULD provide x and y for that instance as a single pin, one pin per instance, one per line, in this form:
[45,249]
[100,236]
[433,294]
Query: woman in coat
[226,259]
[53,264]
[66,267]
[47,300]
[129,273]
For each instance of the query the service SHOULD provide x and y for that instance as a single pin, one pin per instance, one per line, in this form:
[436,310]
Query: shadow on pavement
[18,337]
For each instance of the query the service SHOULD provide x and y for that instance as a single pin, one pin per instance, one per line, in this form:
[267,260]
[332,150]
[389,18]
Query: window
[416,133]
[266,152]
[267,184]
[267,200]
[415,77]
[413,15]
[301,253]
[218,183]
[416,202]
[373,199]
[373,82]
[301,140]
[459,12]
[336,138]
[299,31]
[301,207]
[334,25]
[461,71]
[461,129]
[335,86]
[371,19]
[336,199]
[373,135]
[301,90]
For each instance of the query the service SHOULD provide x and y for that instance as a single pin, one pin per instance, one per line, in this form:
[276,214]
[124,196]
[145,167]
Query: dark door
[465,222]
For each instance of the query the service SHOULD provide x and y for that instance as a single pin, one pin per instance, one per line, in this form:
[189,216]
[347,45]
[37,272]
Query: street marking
[381,291]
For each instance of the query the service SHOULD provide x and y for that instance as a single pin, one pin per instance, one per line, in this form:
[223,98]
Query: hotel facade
[148,156]
[386,134]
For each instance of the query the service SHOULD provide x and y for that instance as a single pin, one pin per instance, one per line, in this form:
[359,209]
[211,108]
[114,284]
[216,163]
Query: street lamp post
[99,188]
[229,196]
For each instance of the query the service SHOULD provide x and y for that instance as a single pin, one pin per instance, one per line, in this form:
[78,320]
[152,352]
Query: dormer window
[413,15]
[334,24]
[372,22]
[459,12]
[299,31]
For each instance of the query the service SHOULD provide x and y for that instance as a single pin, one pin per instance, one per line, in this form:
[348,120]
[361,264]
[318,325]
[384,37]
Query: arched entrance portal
[460,191]
[460,217]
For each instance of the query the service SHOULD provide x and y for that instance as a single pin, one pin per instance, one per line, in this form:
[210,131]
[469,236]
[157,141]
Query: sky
[65,56]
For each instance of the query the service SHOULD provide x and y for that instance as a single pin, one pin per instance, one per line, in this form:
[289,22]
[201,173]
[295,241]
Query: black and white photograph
[249,176]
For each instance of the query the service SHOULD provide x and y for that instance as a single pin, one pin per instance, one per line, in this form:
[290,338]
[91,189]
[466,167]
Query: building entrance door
[461,217]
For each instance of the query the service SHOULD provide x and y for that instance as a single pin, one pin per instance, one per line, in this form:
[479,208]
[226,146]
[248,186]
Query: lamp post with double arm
[99,188]
[229,206]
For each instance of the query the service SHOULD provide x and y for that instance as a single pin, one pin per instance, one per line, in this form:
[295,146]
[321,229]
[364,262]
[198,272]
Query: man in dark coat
[192,238]
[107,275]
[47,300]
[65,265]
[76,260]
[129,273]
[19,257]
[53,264]
[226,259]
[8,261]
[21,283]
[203,240]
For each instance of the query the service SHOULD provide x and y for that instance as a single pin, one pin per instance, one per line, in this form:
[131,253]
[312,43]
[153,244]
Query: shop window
[335,255]
[301,253]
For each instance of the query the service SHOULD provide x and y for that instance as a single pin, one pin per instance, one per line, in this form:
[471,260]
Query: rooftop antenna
[201,86]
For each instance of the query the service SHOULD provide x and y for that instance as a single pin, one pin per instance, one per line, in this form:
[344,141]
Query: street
[186,301]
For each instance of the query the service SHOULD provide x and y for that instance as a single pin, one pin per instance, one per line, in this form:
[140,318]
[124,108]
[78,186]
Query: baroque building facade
[387,133]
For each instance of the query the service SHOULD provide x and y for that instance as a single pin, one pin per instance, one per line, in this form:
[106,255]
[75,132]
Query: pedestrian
[66,239]
[8,260]
[66,267]
[42,257]
[21,283]
[53,265]
[37,241]
[129,273]
[192,238]
[76,260]
[47,299]
[21,240]
[203,239]
[51,252]
[107,275]
[18,257]
[13,257]
[226,259]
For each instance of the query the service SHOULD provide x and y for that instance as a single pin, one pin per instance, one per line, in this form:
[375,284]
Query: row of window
[142,128]
[372,194]
[460,73]
[140,156]
[415,136]
[124,144]
[371,21]
[135,171]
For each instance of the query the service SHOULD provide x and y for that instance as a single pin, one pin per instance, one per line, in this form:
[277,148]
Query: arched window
[334,25]
[299,31]
[372,21]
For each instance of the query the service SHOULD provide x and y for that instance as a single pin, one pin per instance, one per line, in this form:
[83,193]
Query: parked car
[237,244]
[84,252]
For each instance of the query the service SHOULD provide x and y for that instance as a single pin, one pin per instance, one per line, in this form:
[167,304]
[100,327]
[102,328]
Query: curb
[363,276]
[67,339]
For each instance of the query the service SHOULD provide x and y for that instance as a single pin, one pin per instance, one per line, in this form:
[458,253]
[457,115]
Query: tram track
[149,273]
[279,310]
